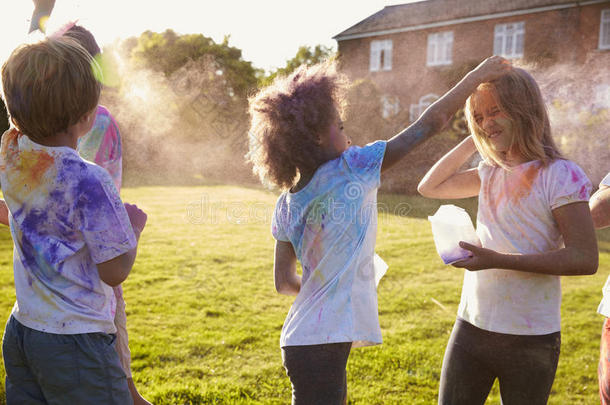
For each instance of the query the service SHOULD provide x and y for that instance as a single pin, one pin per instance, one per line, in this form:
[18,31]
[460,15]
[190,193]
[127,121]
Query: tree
[305,56]
[167,52]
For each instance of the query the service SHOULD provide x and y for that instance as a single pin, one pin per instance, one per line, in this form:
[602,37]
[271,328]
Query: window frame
[604,18]
[501,34]
[442,42]
[416,110]
[380,56]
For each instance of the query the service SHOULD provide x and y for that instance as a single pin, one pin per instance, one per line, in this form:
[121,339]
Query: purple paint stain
[583,192]
[33,221]
[320,315]
[575,177]
[93,204]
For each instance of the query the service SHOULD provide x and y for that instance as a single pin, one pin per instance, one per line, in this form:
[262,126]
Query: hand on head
[137,217]
[492,68]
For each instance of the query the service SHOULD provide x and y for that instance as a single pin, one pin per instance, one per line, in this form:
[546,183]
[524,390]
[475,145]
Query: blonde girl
[534,225]
[326,216]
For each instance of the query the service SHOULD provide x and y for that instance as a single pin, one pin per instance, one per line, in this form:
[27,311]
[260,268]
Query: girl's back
[332,224]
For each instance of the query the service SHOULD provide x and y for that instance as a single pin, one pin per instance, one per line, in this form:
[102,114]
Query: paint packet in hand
[450,225]
[380,268]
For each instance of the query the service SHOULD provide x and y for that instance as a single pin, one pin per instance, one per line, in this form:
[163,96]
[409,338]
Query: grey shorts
[317,373]
[48,368]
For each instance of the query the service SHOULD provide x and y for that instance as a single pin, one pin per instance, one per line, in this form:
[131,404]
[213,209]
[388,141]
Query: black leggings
[317,373]
[524,365]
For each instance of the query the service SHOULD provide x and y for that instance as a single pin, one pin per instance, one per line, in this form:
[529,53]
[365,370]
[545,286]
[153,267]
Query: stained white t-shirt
[515,216]
[604,305]
[332,225]
[65,216]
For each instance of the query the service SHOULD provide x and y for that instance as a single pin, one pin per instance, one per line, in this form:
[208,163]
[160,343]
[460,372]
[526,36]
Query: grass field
[204,318]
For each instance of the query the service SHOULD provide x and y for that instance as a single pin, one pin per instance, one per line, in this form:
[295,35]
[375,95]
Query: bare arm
[114,271]
[3,213]
[578,257]
[444,180]
[440,112]
[600,207]
[287,281]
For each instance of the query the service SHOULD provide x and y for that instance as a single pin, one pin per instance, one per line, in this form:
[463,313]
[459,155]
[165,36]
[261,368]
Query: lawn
[204,318]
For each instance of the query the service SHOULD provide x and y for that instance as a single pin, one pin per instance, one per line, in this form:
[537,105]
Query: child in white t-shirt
[600,211]
[74,239]
[326,216]
[534,225]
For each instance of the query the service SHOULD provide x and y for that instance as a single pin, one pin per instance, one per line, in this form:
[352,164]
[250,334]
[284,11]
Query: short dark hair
[48,86]
[85,38]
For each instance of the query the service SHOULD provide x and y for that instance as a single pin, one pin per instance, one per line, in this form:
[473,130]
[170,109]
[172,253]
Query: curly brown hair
[287,119]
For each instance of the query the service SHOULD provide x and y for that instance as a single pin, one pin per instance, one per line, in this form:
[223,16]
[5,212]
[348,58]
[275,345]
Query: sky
[269,32]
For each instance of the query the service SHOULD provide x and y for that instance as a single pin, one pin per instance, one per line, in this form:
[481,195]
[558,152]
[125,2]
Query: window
[417,109]
[508,40]
[390,106]
[604,30]
[381,55]
[440,48]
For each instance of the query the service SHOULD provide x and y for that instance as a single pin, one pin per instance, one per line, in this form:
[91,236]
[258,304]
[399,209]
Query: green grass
[204,318]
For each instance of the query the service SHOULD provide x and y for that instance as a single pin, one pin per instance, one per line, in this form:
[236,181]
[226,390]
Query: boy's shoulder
[77,174]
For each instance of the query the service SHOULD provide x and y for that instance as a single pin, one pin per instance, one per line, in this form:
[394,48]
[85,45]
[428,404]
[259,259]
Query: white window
[381,55]
[604,30]
[508,40]
[440,48]
[417,109]
[390,106]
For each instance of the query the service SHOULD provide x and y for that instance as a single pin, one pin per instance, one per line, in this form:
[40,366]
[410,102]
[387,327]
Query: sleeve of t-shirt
[605,181]
[567,183]
[102,217]
[279,220]
[365,162]
[484,169]
[113,161]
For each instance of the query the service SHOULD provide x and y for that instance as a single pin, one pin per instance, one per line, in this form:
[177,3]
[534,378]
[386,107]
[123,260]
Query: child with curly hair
[326,216]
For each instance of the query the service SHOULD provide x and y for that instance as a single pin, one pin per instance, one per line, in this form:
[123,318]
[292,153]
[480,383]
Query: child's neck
[304,179]
[514,159]
[67,138]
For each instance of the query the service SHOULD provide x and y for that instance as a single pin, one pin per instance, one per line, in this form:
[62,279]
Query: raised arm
[578,257]
[287,281]
[444,180]
[440,112]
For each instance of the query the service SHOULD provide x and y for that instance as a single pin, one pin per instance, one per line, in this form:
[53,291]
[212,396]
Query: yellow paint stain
[318,276]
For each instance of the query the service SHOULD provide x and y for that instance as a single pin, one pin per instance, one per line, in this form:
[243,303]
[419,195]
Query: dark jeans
[317,373]
[524,365]
[47,368]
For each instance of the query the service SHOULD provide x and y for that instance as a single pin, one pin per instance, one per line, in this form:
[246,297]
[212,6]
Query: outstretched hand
[492,68]
[481,258]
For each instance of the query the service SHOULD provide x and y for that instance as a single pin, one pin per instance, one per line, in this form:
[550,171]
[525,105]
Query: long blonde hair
[518,96]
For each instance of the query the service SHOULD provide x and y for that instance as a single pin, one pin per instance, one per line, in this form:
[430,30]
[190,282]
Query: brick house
[414,52]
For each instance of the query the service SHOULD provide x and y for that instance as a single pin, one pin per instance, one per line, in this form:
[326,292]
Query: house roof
[434,12]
